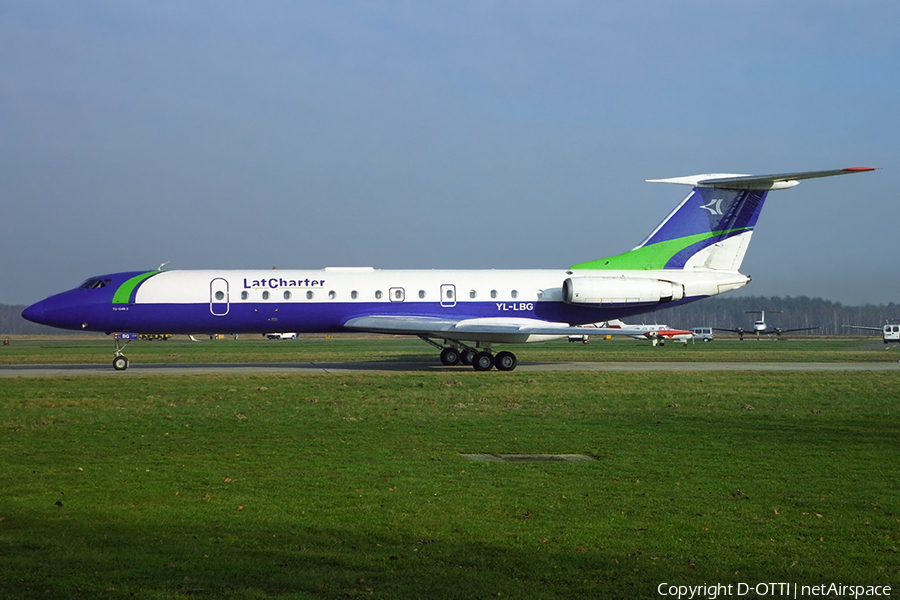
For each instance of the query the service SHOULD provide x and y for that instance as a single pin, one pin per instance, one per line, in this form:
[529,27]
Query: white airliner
[693,254]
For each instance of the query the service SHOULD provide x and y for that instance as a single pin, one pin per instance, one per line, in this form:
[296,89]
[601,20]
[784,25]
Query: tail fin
[711,228]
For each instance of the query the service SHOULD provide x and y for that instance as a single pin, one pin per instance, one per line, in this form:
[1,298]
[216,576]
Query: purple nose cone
[34,313]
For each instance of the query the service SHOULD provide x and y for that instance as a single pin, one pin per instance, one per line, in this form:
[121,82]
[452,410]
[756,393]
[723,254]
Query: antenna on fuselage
[160,267]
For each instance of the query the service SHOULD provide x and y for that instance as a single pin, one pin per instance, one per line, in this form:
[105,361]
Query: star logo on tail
[714,206]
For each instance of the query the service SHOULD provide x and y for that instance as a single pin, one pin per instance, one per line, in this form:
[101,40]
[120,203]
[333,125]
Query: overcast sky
[440,134]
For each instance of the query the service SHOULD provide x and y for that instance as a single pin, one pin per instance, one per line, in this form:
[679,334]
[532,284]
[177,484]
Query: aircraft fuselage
[322,301]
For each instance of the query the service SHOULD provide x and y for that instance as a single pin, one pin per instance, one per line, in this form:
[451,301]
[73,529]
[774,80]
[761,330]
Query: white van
[891,333]
[281,336]
[704,334]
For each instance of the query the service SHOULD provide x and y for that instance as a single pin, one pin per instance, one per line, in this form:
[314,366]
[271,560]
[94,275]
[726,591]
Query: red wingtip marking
[859,169]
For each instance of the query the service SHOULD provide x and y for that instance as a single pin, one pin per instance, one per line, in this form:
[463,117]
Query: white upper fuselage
[506,290]
[340,283]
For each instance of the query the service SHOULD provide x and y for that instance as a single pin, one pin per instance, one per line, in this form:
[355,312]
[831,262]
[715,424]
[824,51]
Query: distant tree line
[727,313]
[802,311]
[11,322]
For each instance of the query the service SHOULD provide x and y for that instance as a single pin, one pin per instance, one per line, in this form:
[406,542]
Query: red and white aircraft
[656,333]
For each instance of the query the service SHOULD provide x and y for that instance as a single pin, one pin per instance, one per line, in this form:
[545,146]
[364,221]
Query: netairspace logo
[775,590]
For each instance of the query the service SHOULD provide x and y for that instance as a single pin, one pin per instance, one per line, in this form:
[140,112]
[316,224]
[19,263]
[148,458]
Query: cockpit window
[94,284]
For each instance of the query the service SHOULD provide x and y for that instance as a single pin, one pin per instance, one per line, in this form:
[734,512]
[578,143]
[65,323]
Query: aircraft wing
[798,329]
[668,333]
[489,329]
[863,327]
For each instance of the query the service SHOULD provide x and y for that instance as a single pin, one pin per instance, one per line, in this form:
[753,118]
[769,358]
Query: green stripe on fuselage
[123,294]
[654,256]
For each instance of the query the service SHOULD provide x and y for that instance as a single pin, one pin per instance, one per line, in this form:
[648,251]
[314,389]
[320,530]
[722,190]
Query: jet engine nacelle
[620,290]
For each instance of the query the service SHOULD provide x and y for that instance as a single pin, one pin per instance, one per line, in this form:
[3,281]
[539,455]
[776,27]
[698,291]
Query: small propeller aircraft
[761,328]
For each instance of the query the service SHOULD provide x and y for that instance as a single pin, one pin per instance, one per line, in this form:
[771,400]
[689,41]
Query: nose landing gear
[120,361]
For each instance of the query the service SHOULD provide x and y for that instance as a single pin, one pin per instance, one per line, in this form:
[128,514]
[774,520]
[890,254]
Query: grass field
[353,348]
[355,486]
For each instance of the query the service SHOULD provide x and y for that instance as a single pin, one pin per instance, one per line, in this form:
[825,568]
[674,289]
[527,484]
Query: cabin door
[218,297]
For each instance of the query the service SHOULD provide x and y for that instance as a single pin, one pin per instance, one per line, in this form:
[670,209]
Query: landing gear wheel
[450,356]
[120,363]
[483,361]
[505,361]
[467,356]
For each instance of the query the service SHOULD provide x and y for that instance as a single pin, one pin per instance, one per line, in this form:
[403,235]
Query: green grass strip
[354,486]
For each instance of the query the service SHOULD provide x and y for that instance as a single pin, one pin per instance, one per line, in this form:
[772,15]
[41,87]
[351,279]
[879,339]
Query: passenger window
[220,295]
[514,294]
[287,295]
[540,294]
[450,294]
[332,295]
[421,293]
[493,293]
[244,295]
[309,295]
[354,294]
[378,295]
[265,295]
[472,293]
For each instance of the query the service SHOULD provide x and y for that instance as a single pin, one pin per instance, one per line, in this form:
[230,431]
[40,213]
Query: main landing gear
[481,359]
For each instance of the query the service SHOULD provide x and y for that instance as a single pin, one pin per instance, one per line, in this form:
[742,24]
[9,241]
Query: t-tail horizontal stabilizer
[711,228]
[723,181]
